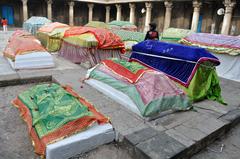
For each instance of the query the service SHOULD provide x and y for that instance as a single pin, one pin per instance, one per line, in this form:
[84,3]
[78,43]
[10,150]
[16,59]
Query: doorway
[7,12]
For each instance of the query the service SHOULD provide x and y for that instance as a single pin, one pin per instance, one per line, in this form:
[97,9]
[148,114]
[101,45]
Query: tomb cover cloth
[86,40]
[106,39]
[215,43]
[52,113]
[205,84]
[97,24]
[20,33]
[124,25]
[129,35]
[34,23]
[22,45]
[130,71]
[177,61]
[37,20]
[153,92]
[52,41]
[49,27]
[175,34]
[121,23]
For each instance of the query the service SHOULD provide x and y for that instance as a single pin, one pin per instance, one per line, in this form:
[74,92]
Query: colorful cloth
[53,113]
[21,43]
[129,35]
[97,24]
[34,23]
[52,41]
[177,61]
[49,27]
[185,65]
[125,25]
[128,45]
[216,43]
[175,34]
[86,40]
[92,56]
[20,33]
[204,84]
[105,38]
[152,92]
[130,71]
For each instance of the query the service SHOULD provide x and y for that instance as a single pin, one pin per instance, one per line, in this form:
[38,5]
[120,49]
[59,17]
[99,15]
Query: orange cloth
[106,39]
[51,26]
[4,22]
[21,45]
[66,130]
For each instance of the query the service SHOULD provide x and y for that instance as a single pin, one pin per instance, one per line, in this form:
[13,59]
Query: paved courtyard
[178,135]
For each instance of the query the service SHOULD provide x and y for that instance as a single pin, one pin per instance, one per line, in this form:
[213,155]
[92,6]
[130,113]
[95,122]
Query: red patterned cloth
[105,38]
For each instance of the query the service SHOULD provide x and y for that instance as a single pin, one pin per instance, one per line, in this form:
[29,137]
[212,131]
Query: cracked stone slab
[160,146]
[141,135]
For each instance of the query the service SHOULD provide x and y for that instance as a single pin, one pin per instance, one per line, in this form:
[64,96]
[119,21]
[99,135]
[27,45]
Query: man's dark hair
[4,18]
[153,26]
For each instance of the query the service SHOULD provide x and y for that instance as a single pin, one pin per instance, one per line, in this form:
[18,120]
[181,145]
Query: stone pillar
[107,19]
[132,12]
[148,15]
[229,5]
[90,12]
[196,12]
[119,11]
[71,13]
[25,10]
[49,9]
[168,14]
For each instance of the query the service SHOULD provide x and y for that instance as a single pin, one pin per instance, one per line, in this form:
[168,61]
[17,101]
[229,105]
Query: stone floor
[177,135]
[230,147]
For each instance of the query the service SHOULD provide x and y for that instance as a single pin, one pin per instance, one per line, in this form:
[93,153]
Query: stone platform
[177,135]
[173,136]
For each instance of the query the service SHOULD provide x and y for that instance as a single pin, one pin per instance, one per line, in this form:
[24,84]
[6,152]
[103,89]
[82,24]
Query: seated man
[152,34]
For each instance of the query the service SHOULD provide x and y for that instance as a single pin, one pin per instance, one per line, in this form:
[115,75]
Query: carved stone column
[71,13]
[108,8]
[90,12]
[167,20]
[49,9]
[229,5]
[148,15]
[119,12]
[132,12]
[25,10]
[196,12]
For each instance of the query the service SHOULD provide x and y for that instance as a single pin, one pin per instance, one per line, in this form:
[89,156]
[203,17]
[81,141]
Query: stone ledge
[166,137]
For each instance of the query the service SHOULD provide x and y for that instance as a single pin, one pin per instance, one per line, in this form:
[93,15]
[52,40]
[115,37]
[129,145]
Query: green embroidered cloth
[121,23]
[51,107]
[83,40]
[175,34]
[129,35]
[98,24]
[134,67]
[205,84]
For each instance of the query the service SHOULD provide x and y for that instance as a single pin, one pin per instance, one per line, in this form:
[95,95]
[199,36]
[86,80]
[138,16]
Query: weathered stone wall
[158,13]
[125,12]
[81,13]
[60,12]
[140,18]
[113,13]
[37,8]
[236,20]
[181,15]
[99,12]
